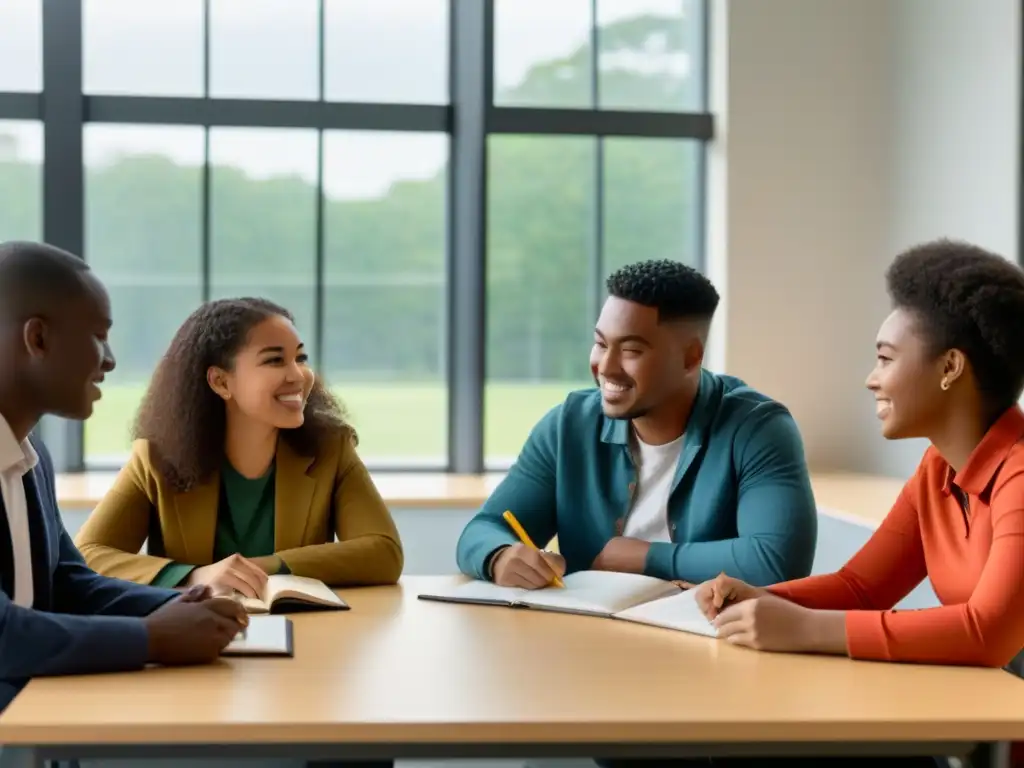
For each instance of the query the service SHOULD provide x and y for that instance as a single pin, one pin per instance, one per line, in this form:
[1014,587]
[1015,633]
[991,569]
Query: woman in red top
[950,368]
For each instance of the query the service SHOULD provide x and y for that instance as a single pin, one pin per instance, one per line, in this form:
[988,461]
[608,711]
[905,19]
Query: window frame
[469,119]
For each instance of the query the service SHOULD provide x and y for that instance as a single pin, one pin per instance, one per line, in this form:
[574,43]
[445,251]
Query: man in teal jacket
[664,469]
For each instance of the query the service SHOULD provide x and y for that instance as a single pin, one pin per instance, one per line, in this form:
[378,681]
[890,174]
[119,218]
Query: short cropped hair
[35,277]
[970,299]
[677,291]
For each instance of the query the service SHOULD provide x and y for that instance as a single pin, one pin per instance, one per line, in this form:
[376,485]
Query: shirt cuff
[489,562]
[660,560]
[172,575]
[865,636]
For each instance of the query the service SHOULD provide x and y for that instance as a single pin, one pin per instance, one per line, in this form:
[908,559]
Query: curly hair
[677,291]
[969,299]
[184,419]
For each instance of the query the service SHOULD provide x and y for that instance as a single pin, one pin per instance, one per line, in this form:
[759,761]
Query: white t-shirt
[648,517]
[16,459]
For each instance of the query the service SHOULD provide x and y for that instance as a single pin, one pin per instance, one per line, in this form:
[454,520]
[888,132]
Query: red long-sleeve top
[974,558]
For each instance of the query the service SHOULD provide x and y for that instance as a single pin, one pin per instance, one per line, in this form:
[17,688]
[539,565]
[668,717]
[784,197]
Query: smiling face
[270,379]
[907,380]
[69,351]
[638,362]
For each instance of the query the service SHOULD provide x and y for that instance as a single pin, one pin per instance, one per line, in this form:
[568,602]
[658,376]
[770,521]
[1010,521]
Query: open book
[625,596]
[289,594]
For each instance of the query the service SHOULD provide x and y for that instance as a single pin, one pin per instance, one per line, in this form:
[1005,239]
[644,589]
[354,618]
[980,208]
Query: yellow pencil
[525,538]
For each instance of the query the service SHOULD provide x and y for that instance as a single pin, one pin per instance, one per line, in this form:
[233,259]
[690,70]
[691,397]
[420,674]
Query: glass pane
[21,45]
[264,49]
[21,180]
[386,51]
[652,201]
[542,55]
[385,302]
[263,218]
[143,48]
[143,236]
[651,55]
[540,282]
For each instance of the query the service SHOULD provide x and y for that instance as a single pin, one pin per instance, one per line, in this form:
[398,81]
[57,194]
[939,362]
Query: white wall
[957,110]
[849,130]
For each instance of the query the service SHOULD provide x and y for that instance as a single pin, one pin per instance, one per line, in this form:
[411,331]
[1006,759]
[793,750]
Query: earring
[944,385]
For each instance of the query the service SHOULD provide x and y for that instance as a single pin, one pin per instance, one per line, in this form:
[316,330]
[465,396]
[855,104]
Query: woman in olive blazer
[243,465]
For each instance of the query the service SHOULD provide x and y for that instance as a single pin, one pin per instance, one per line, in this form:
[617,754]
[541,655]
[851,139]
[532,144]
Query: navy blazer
[80,622]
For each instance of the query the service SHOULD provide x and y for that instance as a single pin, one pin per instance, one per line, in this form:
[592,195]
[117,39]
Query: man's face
[637,361]
[68,351]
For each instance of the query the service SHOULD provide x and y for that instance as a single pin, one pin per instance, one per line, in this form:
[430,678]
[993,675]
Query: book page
[252,604]
[674,612]
[299,587]
[602,592]
[479,592]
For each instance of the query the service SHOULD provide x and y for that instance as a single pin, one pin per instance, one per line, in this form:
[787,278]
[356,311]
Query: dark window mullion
[321,258]
[472,59]
[63,178]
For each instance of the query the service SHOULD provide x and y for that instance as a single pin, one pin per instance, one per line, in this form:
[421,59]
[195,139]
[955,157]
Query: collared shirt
[964,531]
[17,459]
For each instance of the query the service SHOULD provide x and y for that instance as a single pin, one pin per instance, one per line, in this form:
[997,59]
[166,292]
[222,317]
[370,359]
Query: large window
[435,189]
[21,180]
[564,211]
[143,195]
[21,46]
[21,140]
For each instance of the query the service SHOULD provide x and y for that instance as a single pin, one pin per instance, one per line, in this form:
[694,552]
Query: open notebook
[625,596]
[289,594]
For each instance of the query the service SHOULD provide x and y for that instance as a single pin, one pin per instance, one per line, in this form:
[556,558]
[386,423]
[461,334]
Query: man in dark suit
[57,616]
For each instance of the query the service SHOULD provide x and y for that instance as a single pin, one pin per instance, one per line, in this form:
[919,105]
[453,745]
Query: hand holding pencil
[523,565]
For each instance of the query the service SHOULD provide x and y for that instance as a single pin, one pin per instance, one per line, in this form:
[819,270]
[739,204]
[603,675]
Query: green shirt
[245,522]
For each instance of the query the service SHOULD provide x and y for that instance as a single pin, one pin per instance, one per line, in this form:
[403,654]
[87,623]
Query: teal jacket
[741,501]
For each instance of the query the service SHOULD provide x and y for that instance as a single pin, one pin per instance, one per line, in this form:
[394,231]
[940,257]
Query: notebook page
[601,592]
[674,612]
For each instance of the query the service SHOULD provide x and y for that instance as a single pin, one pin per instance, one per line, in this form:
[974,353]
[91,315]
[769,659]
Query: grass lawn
[395,421]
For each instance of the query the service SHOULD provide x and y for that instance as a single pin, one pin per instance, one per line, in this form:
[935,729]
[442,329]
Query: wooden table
[401,677]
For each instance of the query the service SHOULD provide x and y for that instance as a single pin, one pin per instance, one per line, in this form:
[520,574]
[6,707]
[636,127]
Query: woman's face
[907,379]
[271,379]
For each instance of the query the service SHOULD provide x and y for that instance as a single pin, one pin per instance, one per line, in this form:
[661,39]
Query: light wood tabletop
[863,498]
[396,670]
